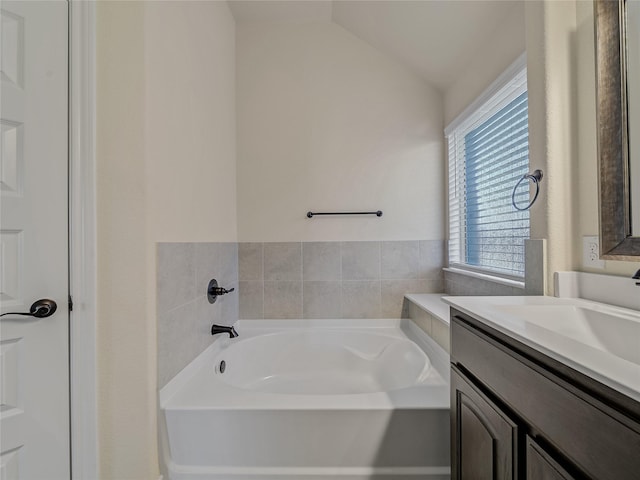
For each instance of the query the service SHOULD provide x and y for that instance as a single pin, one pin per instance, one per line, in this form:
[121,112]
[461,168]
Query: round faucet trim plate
[221,367]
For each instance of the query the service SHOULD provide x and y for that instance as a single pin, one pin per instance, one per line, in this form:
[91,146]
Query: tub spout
[215,329]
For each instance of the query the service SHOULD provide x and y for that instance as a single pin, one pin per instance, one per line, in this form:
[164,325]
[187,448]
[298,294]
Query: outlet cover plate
[591,252]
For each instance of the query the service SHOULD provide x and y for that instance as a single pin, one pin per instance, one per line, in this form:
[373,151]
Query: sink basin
[610,330]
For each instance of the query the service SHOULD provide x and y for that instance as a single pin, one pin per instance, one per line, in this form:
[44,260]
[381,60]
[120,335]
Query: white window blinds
[488,149]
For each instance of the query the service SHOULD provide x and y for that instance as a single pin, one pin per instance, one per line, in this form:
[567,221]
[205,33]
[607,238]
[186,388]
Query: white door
[34,386]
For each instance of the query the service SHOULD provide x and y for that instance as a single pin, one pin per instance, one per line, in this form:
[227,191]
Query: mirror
[618,113]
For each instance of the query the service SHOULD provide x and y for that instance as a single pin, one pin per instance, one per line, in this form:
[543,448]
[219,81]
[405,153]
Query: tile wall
[184,314]
[336,279]
[535,261]
[300,280]
[460,284]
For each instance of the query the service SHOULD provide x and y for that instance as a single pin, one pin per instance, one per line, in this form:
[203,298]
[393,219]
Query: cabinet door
[484,439]
[541,466]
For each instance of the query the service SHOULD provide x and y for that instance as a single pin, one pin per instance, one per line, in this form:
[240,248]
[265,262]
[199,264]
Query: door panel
[484,439]
[541,465]
[34,353]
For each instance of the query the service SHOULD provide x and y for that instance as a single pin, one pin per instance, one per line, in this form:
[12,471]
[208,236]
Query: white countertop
[589,346]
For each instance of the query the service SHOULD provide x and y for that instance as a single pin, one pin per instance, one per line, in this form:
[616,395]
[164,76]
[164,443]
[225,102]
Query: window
[488,153]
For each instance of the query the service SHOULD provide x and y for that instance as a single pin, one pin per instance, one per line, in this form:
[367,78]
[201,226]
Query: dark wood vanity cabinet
[482,432]
[519,414]
[540,464]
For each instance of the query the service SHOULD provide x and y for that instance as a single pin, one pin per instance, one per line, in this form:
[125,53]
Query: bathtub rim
[171,470]
[404,398]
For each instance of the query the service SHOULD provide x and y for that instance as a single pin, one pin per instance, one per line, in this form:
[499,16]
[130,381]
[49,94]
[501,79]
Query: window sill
[484,276]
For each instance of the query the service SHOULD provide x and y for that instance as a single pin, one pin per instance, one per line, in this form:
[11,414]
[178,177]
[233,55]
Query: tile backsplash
[335,279]
[283,280]
[184,314]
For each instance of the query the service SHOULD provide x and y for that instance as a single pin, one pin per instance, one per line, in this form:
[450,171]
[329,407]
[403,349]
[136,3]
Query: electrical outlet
[591,252]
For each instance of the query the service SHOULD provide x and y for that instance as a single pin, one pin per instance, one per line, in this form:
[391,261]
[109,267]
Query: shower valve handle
[213,291]
[222,291]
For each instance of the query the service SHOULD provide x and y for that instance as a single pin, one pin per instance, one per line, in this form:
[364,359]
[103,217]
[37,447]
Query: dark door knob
[42,308]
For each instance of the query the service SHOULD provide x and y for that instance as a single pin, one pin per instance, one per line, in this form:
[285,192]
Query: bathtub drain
[222,366]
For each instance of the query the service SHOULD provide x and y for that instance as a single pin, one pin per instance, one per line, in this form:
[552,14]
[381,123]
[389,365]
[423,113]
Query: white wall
[326,122]
[166,158]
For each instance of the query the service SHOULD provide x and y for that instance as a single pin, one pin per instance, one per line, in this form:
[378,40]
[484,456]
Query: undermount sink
[608,329]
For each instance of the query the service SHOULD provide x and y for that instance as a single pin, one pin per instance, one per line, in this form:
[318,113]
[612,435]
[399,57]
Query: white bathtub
[339,399]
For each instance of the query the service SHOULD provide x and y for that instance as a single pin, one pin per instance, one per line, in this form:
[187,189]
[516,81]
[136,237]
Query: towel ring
[536,178]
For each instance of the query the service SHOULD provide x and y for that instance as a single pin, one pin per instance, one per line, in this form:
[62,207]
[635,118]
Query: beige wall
[126,369]
[550,30]
[326,122]
[492,58]
[559,40]
[166,159]
[190,121]
[560,53]
[633,99]
[587,162]
[369,136]
[563,141]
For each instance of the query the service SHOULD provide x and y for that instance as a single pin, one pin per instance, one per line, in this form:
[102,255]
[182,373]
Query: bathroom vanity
[534,398]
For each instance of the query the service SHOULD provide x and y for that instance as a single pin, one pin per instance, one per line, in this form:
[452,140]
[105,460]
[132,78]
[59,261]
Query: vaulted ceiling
[435,38]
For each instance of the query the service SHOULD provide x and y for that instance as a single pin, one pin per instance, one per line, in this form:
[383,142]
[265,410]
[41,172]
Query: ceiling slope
[434,38]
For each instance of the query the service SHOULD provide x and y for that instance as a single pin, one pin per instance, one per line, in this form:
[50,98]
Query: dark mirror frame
[616,240]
